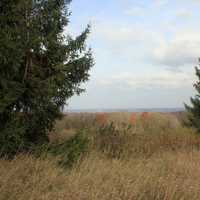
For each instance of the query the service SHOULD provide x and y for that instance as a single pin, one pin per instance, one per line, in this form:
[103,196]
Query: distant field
[140,110]
[103,156]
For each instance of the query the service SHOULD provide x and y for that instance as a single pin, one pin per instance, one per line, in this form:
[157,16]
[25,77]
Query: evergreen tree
[40,68]
[194,110]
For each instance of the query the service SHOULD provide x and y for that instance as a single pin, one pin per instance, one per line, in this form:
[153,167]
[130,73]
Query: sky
[145,52]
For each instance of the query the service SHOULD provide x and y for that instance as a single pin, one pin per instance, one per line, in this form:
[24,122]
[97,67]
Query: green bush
[12,141]
[70,151]
[20,133]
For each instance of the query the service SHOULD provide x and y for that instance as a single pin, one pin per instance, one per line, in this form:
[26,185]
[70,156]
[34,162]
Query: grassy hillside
[115,156]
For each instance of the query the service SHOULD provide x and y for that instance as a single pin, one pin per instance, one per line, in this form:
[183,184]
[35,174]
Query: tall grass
[147,157]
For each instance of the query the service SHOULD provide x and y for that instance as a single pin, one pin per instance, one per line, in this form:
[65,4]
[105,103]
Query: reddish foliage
[144,116]
[133,119]
[101,118]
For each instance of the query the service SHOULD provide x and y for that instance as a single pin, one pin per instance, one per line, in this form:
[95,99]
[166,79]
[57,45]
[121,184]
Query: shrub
[112,141]
[11,141]
[70,151]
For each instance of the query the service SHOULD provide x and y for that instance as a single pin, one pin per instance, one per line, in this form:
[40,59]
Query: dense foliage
[40,68]
[194,110]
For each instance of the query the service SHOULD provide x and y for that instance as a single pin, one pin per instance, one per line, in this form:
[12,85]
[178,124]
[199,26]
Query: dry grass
[172,175]
[157,158]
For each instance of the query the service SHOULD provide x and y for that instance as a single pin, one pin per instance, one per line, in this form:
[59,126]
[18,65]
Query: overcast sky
[145,52]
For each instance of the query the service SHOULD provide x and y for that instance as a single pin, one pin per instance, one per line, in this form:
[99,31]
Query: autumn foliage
[101,118]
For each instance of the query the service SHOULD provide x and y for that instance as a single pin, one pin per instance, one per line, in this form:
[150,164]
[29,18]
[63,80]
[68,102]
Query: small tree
[40,68]
[194,110]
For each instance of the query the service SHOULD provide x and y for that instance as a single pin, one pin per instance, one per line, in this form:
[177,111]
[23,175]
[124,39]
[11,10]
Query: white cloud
[163,79]
[135,11]
[117,32]
[182,49]
[126,40]
[183,14]
[135,42]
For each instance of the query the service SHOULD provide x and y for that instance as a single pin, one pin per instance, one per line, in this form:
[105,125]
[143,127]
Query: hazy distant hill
[166,110]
